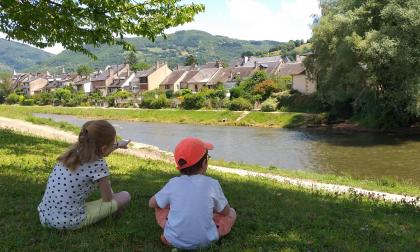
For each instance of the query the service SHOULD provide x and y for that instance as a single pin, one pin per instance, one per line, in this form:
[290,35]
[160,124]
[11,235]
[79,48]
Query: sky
[278,20]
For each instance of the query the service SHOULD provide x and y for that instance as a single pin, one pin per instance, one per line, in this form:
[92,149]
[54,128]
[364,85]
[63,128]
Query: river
[359,155]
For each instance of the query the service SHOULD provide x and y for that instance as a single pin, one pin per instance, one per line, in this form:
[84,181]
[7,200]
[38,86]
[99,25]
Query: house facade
[151,78]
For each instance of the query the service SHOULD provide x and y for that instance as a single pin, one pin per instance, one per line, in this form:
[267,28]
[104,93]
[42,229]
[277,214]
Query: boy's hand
[123,144]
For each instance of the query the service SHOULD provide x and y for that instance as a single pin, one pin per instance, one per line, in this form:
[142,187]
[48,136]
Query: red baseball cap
[191,150]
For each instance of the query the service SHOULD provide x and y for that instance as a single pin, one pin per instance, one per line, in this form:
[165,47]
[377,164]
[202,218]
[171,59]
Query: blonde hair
[93,135]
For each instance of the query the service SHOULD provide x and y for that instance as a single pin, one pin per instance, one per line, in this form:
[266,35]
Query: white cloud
[254,20]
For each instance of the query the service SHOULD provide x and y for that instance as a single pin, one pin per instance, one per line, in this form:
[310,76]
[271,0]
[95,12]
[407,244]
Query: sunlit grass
[271,216]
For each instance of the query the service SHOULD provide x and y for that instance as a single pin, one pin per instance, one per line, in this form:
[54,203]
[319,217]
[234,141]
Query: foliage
[240,104]
[118,96]
[154,99]
[269,105]
[297,102]
[366,60]
[190,60]
[248,84]
[5,86]
[131,59]
[182,92]
[266,88]
[13,98]
[84,70]
[139,66]
[236,92]
[27,102]
[106,22]
[193,101]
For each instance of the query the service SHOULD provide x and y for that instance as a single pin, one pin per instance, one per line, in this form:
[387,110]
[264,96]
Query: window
[143,79]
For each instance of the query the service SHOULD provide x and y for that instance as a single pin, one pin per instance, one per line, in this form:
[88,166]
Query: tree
[84,70]
[74,24]
[5,86]
[190,60]
[366,60]
[131,59]
[140,66]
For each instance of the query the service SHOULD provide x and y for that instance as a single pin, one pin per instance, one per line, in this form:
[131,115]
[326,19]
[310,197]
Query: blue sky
[279,20]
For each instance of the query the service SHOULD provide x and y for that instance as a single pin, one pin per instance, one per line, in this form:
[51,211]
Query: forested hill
[174,50]
[18,56]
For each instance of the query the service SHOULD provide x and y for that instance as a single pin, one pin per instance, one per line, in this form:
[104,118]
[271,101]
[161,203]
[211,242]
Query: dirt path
[245,113]
[151,152]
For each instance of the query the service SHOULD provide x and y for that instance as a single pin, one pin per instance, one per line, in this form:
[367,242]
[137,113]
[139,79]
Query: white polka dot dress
[63,204]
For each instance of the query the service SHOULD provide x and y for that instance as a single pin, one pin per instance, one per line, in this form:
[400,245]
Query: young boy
[191,208]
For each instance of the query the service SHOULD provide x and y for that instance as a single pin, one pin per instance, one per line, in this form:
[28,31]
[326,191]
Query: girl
[75,177]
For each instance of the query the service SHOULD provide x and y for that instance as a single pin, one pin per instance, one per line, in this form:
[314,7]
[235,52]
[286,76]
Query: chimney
[117,70]
[63,71]
[245,59]
[157,64]
[177,66]
[255,64]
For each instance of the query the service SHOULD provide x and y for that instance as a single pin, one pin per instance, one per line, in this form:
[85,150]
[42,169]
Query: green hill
[18,56]
[174,49]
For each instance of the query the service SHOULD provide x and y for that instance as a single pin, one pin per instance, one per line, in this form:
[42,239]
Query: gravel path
[151,152]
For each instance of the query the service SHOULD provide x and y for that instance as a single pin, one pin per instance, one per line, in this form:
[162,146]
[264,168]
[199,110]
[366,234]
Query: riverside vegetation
[271,216]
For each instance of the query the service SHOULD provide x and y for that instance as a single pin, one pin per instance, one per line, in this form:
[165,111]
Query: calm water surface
[360,155]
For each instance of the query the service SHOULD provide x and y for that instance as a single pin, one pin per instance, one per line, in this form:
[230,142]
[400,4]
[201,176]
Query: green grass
[271,216]
[206,117]
[389,185]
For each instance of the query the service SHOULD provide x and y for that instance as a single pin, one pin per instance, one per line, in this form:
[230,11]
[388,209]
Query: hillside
[174,49]
[18,56]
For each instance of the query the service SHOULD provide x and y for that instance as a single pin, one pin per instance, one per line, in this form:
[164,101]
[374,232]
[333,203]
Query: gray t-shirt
[63,204]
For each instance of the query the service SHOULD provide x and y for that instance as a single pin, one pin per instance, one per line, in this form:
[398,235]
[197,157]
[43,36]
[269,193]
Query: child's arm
[153,203]
[105,189]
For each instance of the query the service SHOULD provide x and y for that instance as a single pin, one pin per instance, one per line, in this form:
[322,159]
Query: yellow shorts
[97,210]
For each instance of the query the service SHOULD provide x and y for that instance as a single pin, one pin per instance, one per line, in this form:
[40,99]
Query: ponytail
[93,135]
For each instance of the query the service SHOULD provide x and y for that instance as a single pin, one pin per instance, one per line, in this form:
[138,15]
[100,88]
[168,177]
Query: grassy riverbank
[206,117]
[271,216]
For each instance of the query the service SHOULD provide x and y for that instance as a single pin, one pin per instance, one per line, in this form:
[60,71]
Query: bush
[43,98]
[269,105]
[240,104]
[27,102]
[266,88]
[296,102]
[236,92]
[169,94]
[193,101]
[154,99]
[12,98]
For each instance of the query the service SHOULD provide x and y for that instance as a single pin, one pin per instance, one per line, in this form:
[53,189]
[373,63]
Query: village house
[59,81]
[173,80]
[300,80]
[30,84]
[110,79]
[150,79]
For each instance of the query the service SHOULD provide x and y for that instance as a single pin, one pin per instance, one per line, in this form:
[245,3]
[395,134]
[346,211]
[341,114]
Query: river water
[360,155]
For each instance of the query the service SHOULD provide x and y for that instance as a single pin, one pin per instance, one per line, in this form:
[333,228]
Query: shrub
[43,98]
[236,92]
[297,102]
[12,98]
[193,101]
[240,104]
[169,94]
[27,102]
[266,88]
[269,105]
